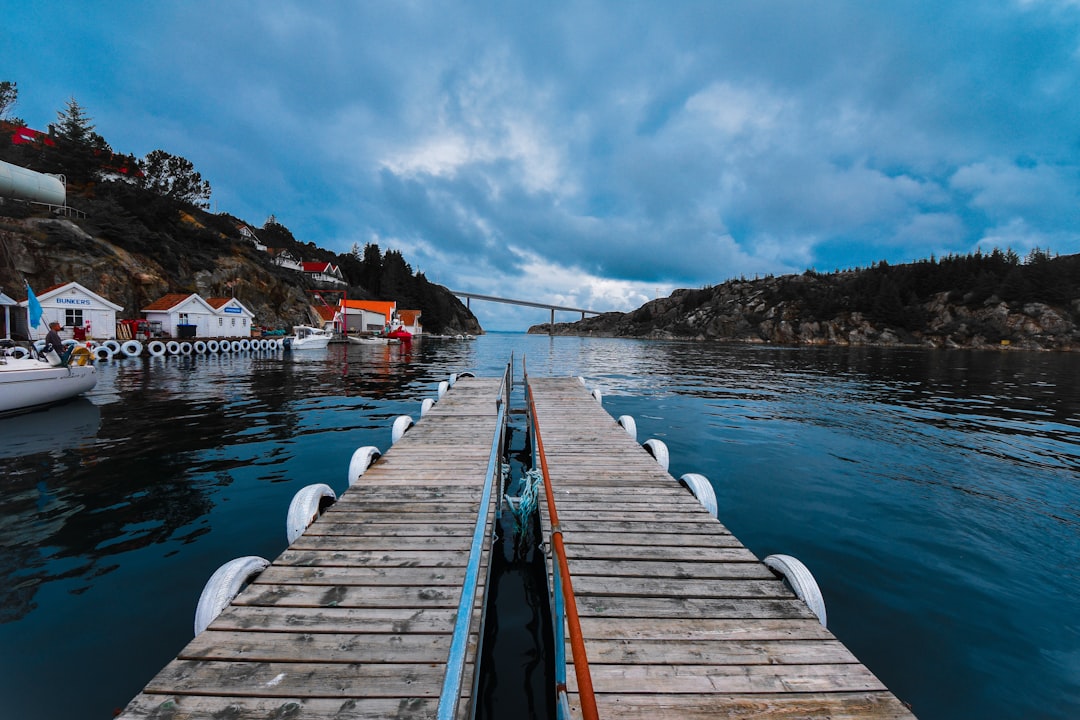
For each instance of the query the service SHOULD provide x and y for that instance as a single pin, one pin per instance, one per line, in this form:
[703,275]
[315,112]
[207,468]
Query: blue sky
[591,154]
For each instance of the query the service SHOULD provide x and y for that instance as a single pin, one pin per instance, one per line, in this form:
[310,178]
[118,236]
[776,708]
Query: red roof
[318,267]
[217,302]
[409,317]
[326,313]
[168,302]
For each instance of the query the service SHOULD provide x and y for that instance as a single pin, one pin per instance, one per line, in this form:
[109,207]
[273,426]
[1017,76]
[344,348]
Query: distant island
[970,301]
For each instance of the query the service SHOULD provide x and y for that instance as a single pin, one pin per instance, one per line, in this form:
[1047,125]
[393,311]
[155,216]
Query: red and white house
[324,272]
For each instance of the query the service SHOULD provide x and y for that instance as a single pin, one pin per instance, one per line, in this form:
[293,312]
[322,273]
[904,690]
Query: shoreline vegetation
[984,301]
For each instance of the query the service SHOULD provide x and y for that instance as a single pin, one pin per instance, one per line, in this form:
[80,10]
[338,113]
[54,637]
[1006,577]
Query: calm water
[935,496]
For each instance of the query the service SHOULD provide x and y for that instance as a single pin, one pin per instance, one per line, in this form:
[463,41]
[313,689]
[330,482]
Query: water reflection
[934,494]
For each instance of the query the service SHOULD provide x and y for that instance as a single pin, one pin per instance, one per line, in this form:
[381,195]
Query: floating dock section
[376,611]
[677,618]
[357,618]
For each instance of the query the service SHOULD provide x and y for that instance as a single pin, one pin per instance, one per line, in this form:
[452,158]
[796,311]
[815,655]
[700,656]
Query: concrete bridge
[526,303]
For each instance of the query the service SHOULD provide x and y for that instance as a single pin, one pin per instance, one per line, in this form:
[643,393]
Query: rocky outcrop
[781,311]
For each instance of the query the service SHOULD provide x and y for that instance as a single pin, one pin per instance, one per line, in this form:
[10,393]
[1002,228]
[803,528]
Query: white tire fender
[629,425]
[426,405]
[361,460]
[132,348]
[702,489]
[443,387]
[801,581]
[224,585]
[307,504]
[658,450]
[401,424]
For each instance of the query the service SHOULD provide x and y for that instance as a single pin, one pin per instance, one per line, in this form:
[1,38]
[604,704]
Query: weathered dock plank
[355,618]
[679,620]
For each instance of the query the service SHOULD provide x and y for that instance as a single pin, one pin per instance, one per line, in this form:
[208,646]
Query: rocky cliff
[864,308]
[133,260]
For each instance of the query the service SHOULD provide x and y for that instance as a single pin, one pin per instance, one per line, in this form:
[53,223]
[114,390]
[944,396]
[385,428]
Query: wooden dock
[355,619]
[679,619]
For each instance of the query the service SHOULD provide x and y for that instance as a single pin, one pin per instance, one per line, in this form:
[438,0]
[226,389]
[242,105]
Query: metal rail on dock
[564,590]
[455,664]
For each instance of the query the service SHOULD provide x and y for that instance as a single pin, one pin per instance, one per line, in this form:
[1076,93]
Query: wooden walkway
[354,620]
[679,619]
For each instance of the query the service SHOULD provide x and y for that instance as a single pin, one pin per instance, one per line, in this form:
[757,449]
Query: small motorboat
[27,383]
[305,337]
[400,333]
[367,340]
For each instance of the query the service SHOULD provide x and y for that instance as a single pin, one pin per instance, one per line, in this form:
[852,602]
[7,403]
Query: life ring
[361,460]
[200,347]
[79,356]
[211,346]
[658,450]
[801,581]
[103,352]
[629,425]
[18,352]
[112,345]
[401,424]
[237,346]
[131,348]
[307,504]
[185,348]
[702,489]
[224,585]
[173,347]
[245,345]
[156,348]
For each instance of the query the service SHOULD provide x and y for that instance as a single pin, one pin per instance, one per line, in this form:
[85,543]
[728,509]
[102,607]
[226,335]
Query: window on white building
[73,318]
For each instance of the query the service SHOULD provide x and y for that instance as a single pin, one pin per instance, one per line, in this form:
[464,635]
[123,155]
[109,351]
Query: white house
[283,258]
[251,237]
[178,313]
[233,319]
[80,311]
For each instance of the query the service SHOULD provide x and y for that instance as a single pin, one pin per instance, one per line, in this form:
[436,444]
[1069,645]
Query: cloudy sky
[592,154]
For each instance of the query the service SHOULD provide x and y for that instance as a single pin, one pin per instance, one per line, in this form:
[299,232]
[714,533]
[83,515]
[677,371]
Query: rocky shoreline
[775,311]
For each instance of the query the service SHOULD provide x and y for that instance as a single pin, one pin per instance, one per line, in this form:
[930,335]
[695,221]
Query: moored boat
[28,384]
[305,337]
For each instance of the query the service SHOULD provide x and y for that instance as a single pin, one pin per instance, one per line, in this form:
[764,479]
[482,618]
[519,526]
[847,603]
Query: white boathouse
[83,313]
[184,315]
[232,319]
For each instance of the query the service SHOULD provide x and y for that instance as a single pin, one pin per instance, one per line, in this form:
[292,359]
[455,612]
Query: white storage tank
[23,184]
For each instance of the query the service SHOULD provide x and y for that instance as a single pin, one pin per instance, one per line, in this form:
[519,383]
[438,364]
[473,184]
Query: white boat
[366,340]
[305,337]
[28,384]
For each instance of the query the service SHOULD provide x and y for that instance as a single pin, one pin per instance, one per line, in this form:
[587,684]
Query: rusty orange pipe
[577,643]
